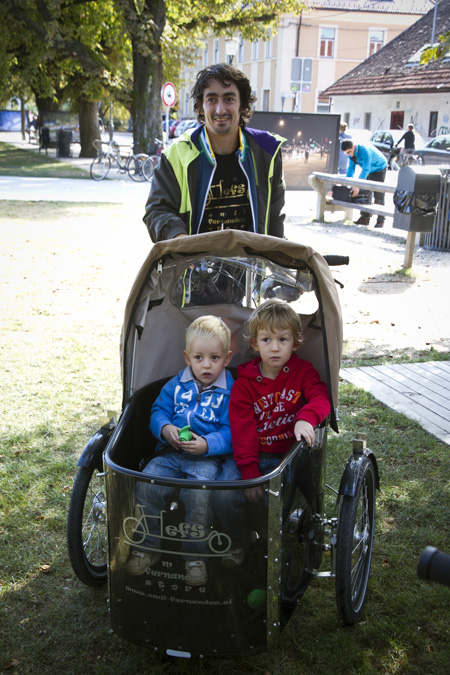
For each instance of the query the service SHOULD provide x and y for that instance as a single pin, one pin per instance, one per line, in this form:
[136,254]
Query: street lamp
[231,48]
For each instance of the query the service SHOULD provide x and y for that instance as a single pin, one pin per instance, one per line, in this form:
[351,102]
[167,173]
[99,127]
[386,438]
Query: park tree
[68,52]
[164,31]
[77,51]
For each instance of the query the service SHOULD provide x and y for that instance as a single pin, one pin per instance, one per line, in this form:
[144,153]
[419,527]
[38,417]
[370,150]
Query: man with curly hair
[221,174]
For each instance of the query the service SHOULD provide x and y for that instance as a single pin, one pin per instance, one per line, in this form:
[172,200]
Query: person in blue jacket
[197,397]
[373,167]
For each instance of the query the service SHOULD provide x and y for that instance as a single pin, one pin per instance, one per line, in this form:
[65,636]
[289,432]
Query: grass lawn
[15,161]
[65,273]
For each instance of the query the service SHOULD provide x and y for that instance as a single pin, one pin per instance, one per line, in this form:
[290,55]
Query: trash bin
[416,198]
[439,238]
[64,140]
[44,136]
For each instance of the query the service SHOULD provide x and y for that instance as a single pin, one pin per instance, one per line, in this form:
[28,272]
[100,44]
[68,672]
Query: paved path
[421,391]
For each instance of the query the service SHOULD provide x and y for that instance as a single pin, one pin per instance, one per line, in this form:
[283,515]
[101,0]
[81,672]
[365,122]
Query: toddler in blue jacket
[198,396]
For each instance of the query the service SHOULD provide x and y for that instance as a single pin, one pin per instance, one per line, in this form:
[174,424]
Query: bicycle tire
[100,166]
[155,160]
[87,542]
[148,169]
[355,534]
[135,167]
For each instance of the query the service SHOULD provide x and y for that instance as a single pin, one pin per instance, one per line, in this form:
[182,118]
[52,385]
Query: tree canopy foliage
[438,51]
[76,52]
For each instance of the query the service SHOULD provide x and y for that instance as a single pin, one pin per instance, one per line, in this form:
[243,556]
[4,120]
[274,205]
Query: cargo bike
[244,605]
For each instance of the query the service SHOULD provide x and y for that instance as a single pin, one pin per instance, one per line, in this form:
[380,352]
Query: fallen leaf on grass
[10,664]
[45,569]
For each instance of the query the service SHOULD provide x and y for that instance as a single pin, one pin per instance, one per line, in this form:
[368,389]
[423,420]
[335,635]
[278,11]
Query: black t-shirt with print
[227,205]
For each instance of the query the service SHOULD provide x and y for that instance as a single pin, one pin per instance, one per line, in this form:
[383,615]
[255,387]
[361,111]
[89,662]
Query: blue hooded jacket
[181,402]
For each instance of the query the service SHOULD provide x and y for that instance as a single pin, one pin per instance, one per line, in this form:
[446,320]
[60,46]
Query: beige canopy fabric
[154,326]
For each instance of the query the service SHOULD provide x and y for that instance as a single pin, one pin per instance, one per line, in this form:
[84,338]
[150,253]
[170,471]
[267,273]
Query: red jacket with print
[263,411]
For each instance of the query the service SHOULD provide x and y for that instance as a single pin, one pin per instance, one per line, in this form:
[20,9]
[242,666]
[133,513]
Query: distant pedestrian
[409,139]
[343,159]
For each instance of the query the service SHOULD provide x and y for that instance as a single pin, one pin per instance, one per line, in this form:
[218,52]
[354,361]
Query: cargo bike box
[242,607]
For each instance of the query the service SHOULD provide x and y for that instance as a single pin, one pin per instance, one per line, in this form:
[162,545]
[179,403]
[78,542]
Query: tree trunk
[146,110]
[89,129]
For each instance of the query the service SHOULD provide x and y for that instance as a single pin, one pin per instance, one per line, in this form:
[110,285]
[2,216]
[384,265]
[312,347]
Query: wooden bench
[322,184]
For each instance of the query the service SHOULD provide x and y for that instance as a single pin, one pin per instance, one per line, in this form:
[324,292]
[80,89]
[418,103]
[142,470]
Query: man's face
[221,108]
[350,152]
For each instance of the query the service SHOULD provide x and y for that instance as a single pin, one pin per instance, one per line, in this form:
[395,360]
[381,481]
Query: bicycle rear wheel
[148,169]
[100,167]
[135,167]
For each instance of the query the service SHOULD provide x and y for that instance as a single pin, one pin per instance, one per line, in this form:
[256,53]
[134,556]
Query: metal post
[111,122]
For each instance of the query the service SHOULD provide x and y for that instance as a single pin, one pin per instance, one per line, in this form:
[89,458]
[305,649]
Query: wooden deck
[421,391]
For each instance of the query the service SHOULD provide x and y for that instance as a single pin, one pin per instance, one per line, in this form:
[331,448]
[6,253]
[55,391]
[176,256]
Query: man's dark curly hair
[225,74]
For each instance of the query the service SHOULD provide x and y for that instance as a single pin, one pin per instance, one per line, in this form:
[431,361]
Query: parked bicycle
[152,161]
[135,165]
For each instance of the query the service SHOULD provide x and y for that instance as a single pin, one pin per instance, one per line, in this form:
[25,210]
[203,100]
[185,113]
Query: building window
[323,108]
[432,127]
[347,119]
[186,104]
[241,49]
[268,49]
[327,39]
[205,56]
[255,97]
[397,119]
[376,40]
[216,51]
[367,120]
[255,50]
[266,100]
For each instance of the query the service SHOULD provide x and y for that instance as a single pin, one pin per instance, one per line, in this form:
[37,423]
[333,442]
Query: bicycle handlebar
[434,566]
[334,260]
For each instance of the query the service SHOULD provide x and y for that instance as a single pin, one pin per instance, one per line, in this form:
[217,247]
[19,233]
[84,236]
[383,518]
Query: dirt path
[384,310]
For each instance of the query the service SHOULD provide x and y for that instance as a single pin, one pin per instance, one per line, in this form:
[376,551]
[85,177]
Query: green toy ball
[256,598]
[184,434]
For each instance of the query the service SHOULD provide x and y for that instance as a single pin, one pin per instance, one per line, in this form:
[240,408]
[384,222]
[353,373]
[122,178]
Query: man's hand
[354,191]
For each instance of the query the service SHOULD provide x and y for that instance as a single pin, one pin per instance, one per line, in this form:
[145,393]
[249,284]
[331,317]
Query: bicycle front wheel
[100,167]
[135,167]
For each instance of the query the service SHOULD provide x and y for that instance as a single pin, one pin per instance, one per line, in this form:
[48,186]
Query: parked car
[184,126]
[436,151]
[385,139]
[361,136]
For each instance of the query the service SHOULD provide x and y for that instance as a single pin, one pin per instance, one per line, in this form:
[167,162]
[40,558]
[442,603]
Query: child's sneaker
[196,574]
[139,561]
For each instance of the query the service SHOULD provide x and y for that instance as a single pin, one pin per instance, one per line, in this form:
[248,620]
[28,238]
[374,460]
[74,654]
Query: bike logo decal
[139,531]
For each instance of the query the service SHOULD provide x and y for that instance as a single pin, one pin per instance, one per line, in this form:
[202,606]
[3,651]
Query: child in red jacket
[276,400]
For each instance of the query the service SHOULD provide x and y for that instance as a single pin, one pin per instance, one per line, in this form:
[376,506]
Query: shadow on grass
[21,162]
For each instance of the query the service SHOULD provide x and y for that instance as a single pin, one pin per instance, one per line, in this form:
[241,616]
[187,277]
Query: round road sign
[169,94]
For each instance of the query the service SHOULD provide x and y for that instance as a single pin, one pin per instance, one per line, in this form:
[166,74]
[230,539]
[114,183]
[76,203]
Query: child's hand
[254,494]
[303,429]
[170,433]
[198,445]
